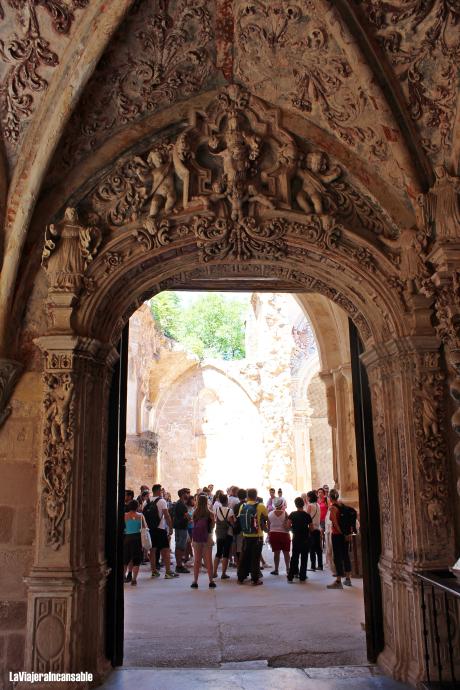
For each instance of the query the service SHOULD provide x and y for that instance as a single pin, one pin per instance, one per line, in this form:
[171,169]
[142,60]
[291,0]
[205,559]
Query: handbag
[145,538]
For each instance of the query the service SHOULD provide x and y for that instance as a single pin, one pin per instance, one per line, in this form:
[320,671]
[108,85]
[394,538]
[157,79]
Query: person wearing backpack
[242,495]
[159,523]
[225,519]
[314,511]
[252,518]
[342,518]
[300,523]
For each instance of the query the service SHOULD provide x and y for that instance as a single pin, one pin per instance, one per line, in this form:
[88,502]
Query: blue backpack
[247,519]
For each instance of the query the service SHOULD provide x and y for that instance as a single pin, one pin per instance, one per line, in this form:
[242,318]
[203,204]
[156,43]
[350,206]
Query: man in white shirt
[159,522]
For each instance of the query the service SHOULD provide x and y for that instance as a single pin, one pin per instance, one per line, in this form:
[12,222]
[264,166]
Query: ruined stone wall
[320,435]
[244,422]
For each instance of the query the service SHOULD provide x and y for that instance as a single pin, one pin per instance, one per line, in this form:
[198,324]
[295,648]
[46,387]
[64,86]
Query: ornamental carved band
[58,440]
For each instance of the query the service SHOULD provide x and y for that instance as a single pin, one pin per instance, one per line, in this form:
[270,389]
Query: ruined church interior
[303,156]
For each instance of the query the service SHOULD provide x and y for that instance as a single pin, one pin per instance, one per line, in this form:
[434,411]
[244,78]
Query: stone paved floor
[288,625]
[353,678]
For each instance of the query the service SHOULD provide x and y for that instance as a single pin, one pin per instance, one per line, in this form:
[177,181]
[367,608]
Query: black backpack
[347,519]
[237,526]
[151,514]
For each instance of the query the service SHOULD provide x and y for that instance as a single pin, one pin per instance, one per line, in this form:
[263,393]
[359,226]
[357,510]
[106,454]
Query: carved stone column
[66,585]
[303,469]
[407,386]
[67,580]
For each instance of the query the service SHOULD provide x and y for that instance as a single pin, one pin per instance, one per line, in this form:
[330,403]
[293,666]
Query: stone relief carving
[441,206]
[58,449]
[28,55]
[68,251]
[320,75]
[10,372]
[164,52]
[422,42]
[238,182]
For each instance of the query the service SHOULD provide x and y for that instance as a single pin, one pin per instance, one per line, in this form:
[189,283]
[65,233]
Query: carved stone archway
[231,201]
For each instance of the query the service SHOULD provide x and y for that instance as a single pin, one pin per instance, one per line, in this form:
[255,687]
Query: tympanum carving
[239,183]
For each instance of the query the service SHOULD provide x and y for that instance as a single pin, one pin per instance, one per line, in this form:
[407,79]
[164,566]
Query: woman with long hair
[203,525]
[132,544]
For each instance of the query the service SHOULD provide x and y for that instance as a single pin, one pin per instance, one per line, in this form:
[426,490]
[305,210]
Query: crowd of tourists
[237,522]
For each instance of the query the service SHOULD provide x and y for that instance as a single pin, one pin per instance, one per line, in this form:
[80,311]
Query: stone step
[243,676]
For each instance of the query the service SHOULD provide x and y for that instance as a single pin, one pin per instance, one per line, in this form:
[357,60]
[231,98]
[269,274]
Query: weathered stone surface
[13,615]
[15,652]
[6,523]
[19,484]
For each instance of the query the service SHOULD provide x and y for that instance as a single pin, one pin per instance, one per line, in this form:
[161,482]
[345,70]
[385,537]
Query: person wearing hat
[278,534]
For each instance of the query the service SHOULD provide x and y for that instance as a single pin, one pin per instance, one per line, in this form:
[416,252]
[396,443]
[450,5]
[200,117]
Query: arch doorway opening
[231,391]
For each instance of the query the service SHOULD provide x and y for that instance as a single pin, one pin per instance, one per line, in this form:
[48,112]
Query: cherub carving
[57,413]
[315,174]
[163,186]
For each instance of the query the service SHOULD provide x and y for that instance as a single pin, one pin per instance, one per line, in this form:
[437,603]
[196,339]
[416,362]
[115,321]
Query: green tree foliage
[212,326]
[167,312]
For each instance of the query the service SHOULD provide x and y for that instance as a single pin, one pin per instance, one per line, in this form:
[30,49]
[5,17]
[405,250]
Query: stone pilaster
[407,385]
[66,584]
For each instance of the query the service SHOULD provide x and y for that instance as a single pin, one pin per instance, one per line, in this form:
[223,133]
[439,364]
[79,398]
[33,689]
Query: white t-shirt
[314,512]
[162,506]
[276,522]
[217,504]
[232,501]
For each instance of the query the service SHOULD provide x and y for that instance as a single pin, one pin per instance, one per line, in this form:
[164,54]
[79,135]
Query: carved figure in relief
[441,206]
[161,174]
[412,257]
[315,174]
[239,151]
[57,413]
[429,408]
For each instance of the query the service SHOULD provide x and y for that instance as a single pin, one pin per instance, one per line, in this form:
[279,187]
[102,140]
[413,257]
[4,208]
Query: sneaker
[129,577]
[194,585]
[171,576]
[347,582]
[320,568]
[274,572]
[290,579]
[133,583]
[182,569]
[155,573]
[257,583]
[212,585]
[335,585]
[224,577]
[303,579]
[241,582]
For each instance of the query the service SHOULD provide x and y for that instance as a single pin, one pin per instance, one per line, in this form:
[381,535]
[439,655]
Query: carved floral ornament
[28,55]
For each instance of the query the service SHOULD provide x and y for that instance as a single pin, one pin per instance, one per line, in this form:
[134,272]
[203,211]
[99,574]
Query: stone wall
[320,435]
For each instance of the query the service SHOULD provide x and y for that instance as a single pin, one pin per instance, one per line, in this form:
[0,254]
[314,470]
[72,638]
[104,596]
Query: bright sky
[188,297]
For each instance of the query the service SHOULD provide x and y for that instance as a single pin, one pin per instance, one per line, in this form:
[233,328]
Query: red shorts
[280,541]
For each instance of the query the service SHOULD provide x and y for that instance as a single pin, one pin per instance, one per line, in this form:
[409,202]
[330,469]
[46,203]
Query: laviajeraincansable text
[28,677]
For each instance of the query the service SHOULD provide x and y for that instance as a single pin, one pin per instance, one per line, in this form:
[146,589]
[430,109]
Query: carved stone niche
[10,371]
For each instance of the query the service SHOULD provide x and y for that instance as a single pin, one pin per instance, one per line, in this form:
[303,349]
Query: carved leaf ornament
[27,54]
[422,40]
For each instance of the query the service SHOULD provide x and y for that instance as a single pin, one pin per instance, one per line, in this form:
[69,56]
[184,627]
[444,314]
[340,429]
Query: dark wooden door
[115,491]
[369,512]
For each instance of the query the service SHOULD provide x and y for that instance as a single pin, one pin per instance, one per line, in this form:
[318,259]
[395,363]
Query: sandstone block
[14,565]
[13,615]
[19,484]
[15,652]
[6,524]
[24,528]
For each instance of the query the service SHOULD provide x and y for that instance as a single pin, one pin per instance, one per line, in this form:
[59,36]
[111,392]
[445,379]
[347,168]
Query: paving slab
[222,679]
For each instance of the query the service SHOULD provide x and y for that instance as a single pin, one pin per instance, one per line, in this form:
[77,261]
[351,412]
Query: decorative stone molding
[28,56]
[10,371]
